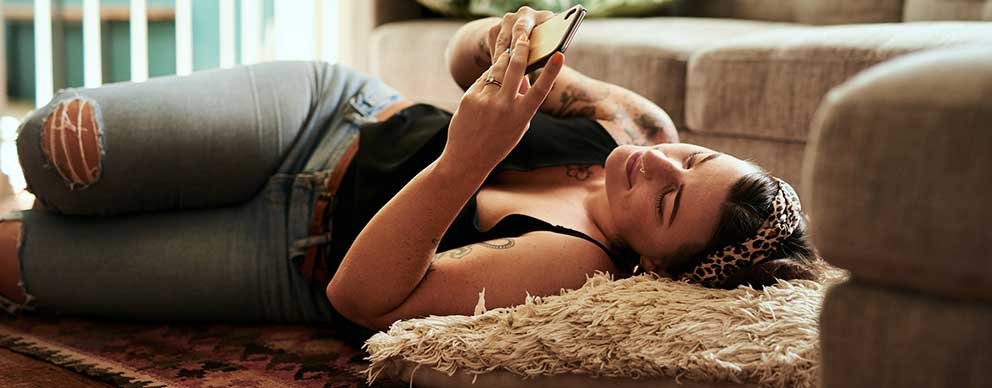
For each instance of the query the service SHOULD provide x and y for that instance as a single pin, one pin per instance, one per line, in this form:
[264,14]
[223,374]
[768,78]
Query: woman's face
[671,209]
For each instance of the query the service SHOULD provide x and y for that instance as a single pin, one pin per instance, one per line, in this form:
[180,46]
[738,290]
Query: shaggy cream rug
[638,327]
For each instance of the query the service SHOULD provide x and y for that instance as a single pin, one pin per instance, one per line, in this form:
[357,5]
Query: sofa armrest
[899,172]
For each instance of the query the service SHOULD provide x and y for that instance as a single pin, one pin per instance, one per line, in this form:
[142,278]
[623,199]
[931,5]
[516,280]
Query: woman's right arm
[390,257]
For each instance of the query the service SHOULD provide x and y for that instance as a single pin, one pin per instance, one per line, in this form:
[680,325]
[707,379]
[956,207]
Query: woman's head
[709,201]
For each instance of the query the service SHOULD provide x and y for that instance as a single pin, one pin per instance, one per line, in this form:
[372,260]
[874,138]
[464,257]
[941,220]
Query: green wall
[116,45]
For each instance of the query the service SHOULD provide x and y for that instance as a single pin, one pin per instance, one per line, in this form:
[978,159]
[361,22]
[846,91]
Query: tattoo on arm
[650,125]
[480,57]
[634,119]
[503,243]
[458,253]
[580,102]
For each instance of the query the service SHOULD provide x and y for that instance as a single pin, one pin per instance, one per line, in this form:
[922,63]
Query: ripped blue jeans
[186,198]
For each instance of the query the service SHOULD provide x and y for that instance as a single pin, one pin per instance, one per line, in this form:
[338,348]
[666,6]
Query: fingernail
[524,39]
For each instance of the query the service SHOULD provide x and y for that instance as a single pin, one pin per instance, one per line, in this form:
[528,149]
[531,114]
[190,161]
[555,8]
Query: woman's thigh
[212,138]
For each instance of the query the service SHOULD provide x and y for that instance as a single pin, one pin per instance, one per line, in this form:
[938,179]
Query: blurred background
[47,45]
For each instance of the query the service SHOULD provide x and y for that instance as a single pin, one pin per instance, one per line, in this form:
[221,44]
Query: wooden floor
[17,371]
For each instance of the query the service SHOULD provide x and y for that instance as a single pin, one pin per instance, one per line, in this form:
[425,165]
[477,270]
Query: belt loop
[314,266]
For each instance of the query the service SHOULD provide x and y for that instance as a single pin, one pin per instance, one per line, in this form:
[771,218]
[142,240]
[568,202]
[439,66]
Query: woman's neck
[597,206]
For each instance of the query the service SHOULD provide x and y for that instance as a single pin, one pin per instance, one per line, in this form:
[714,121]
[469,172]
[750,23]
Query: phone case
[553,35]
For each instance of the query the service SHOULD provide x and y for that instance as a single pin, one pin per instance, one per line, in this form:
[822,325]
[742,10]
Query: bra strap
[518,224]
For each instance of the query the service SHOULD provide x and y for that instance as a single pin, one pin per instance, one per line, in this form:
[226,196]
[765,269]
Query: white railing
[92,48]
[283,41]
[282,38]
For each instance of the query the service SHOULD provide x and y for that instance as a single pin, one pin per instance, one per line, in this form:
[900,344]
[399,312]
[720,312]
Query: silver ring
[507,51]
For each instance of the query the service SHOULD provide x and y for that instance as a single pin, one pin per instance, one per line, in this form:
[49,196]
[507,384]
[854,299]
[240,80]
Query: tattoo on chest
[579,172]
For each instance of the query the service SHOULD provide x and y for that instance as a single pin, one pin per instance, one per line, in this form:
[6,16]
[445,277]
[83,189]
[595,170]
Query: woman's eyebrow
[707,158]
[678,195]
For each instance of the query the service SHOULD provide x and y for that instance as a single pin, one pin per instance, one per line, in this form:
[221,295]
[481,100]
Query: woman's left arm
[628,116]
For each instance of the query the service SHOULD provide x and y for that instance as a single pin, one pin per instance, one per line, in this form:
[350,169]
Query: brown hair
[747,206]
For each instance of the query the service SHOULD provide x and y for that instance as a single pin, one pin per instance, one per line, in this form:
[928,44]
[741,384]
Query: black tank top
[392,152]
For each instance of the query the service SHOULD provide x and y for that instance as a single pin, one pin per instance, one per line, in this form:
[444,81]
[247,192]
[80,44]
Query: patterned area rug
[194,356]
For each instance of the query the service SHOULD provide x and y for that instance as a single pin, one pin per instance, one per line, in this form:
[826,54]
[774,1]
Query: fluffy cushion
[639,327]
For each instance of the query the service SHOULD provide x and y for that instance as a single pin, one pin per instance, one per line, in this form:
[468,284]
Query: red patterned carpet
[186,355]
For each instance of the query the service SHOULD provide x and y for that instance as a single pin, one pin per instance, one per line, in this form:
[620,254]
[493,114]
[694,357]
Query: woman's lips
[631,162]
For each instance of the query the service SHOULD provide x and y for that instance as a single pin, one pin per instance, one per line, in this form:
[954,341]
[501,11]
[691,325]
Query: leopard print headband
[717,267]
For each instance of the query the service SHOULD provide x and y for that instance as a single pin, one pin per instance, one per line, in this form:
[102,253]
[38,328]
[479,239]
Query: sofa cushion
[595,8]
[646,55]
[848,11]
[409,56]
[780,158]
[649,56]
[899,173]
[769,10]
[801,11]
[879,337]
[917,10]
[768,84]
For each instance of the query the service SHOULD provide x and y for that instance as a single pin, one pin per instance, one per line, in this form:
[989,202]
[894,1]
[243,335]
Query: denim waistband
[362,108]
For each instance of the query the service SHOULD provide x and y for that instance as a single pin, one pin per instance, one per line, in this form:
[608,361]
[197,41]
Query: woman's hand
[496,110]
[513,26]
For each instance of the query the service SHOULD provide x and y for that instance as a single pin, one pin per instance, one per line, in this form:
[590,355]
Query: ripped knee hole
[70,141]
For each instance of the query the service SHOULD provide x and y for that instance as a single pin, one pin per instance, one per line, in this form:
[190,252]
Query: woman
[244,195]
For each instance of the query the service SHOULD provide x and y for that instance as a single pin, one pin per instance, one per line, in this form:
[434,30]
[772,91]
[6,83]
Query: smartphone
[553,35]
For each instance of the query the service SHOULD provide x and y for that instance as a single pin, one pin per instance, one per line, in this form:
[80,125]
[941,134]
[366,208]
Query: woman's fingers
[539,91]
[524,86]
[522,26]
[498,68]
[518,61]
[503,39]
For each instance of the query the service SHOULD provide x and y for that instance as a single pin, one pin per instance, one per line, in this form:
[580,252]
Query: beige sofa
[894,165]
[899,169]
[740,76]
